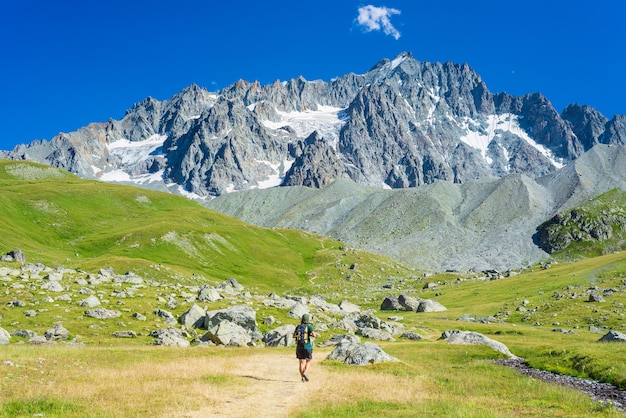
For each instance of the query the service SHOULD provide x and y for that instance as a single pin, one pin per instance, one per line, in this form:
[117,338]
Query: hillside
[56,219]
[479,225]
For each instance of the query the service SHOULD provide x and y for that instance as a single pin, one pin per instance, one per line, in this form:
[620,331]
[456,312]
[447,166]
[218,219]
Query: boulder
[298,310]
[5,337]
[90,302]
[24,333]
[359,354]
[324,306]
[349,307]
[171,337]
[125,334]
[375,334]
[228,333]
[208,294]
[15,255]
[166,316]
[340,338]
[230,286]
[280,337]
[595,297]
[102,313]
[391,303]
[57,332]
[54,276]
[430,305]
[52,286]
[38,340]
[368,320]
[613,336]
[193,317]
[411,335]
[242,315]
[409,303]
[475,338]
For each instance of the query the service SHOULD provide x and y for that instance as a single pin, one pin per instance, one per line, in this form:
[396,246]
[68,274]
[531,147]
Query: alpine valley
[413,160]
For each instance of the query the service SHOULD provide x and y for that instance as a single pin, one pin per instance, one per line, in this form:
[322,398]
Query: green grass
[59,219]
[177,245]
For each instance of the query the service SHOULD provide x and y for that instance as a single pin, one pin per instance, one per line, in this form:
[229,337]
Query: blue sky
[64,64]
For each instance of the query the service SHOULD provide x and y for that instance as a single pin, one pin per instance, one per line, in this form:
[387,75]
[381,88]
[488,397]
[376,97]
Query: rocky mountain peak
[404,123]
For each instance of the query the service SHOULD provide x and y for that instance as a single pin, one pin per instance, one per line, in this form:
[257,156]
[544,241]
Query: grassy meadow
[175,245]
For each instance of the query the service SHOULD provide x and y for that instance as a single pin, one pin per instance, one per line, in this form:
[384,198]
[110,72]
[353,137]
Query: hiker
[304,346]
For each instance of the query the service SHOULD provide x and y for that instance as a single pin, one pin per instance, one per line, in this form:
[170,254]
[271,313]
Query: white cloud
[377,18]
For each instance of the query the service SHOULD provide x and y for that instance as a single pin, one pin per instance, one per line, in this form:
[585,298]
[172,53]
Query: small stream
[598,391]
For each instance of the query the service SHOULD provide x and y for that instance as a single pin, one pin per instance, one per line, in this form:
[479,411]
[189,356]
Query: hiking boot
[305,377]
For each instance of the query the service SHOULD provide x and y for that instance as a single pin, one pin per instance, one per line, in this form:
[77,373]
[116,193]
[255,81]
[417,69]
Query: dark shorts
[304,353]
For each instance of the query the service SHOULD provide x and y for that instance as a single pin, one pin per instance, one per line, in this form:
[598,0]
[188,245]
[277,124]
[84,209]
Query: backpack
[301,334]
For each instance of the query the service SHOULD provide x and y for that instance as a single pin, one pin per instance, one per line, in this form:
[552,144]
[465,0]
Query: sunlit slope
[57,218]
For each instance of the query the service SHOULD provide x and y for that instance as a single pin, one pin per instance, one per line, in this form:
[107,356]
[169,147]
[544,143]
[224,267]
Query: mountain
[402,124]
[356,153]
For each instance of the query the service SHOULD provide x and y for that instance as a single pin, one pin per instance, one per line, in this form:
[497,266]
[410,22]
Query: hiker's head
[305,318]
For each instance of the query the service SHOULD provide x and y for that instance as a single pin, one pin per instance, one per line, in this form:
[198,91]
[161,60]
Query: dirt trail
[271,387]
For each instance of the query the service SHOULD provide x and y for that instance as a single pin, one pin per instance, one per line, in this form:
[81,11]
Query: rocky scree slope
[477,225]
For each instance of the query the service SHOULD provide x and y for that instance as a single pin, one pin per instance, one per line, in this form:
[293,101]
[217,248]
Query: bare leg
[305,371]
[302,367]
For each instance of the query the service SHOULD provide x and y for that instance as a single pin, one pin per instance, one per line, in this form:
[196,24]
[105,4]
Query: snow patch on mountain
[133,152]
[326,120]
[130,154]
[480,135]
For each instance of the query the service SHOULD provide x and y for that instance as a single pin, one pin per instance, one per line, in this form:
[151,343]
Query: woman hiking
[304,346]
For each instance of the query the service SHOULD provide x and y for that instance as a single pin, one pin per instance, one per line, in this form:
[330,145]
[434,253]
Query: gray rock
[128,278]
[102,313]
[359,354]
[375,334]
[193,317]
[125,334]
[139,317]
[411,335]
[228,333]
[409,303]
[594,297]
[58,332]
[280,337]
[231,286]
[242,315]
[391,303]
[208,294]
[298,310]
[339,338]
[16,255]
[613,336]
[475,338]
[170,337]
[368,320]
[91,302]
[5,337]
[24,333]
[52,286]
[430,305]
[39,339]
[349,307]
[166,316]
[54,276]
